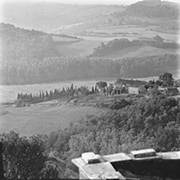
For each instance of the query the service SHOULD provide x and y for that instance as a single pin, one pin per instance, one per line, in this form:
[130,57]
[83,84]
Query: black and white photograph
[90,89]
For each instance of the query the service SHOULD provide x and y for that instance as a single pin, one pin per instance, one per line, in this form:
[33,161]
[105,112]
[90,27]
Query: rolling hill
[37,57]
[146,12]
[140,52]
[52,16]
[86,41]
[153,9]
[144,47]
[82,47]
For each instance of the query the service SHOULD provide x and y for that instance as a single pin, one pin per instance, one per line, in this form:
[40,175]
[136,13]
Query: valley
[86,78]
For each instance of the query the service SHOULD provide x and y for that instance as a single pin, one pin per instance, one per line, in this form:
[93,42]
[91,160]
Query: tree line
[67,68]
[65,94]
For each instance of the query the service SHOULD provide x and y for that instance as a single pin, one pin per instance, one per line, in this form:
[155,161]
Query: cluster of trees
[26,158]
[118,44]
[165,80]
[112,46]
[137,124]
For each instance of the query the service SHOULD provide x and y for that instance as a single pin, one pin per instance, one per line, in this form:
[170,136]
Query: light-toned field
[140,51]
[136,32]
[83,47]
[86,43]
[64,39]
[42,119]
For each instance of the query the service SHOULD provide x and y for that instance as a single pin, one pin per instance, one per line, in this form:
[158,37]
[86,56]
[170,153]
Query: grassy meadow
[42,118]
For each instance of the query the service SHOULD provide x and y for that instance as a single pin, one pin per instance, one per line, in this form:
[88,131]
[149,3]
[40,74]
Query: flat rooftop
[175,155]
[105,168]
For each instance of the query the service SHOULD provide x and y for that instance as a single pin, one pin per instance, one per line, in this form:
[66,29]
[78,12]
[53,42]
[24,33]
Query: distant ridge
[152,9]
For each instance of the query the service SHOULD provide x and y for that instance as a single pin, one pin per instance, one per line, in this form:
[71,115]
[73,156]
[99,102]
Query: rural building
[145,39]
[93,166]
[133,90]
[131,82]
[171,91]
[121,88]
[162,90]
[142,89]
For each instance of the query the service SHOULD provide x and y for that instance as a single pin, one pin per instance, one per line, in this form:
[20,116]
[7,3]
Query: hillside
[145,12]
[82,47]
[140,52]
[53,16]
[119,48]
[37,57]
[153,9]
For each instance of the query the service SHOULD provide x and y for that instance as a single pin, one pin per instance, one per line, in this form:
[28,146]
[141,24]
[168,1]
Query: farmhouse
[121,88]
[171,91]
[133,90]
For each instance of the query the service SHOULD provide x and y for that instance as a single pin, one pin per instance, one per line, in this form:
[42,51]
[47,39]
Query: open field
[95,36]
[134,32]
[42,118]
[140,51]
[64,39]
[83,47]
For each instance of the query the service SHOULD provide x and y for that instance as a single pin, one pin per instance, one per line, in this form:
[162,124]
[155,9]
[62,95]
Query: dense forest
[30,57]
[139,123]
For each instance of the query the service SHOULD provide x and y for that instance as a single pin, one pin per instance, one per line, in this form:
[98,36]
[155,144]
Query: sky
[126,2]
